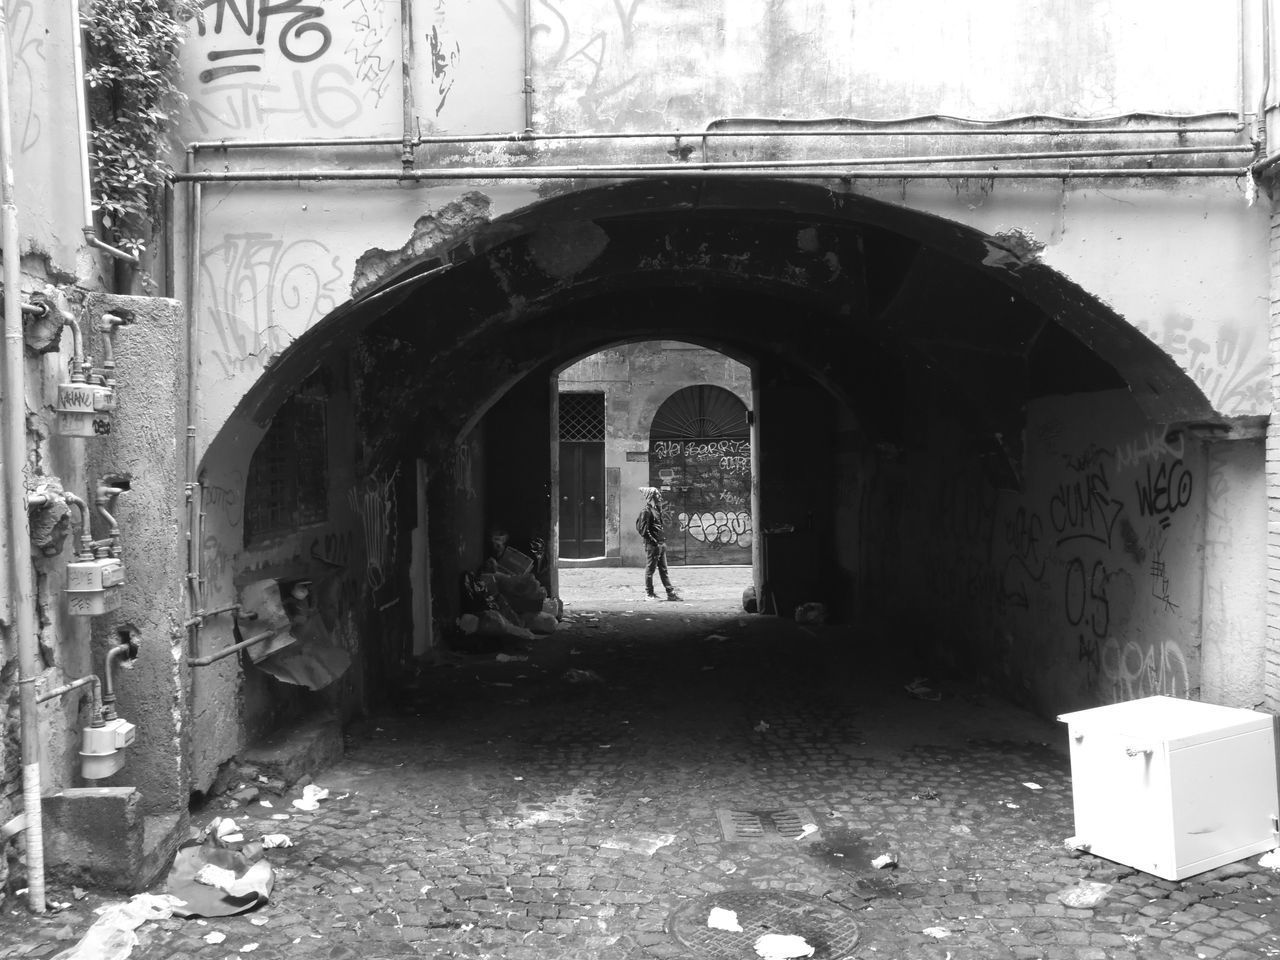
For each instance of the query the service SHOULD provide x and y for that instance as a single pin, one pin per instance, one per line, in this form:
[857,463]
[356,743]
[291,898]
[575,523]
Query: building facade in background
[669,415]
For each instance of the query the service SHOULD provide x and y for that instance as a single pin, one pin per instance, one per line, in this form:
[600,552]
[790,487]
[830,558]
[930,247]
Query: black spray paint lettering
[1085,599]
[1024,565]
[333,549]
[443,62]
[1166,492]
[301,38]
[1084,509]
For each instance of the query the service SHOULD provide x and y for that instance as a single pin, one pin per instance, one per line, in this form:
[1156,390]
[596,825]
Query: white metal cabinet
[1174,787]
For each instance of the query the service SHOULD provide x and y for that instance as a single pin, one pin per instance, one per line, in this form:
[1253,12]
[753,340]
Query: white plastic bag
[111,937]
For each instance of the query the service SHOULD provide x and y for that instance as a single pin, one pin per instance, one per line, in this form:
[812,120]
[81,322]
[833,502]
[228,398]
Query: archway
[936,398]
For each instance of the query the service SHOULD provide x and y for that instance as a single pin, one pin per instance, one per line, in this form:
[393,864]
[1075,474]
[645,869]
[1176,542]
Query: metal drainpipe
[406,82]
[15,458]
[82,122]
[527,11]
[195,599]
[881,128]
[1266,76]
[709,172]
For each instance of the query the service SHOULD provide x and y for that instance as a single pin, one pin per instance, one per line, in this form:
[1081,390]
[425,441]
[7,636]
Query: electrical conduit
[13,443]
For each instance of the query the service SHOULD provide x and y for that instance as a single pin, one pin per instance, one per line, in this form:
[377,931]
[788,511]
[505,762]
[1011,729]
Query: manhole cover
[827,927]
[767,824]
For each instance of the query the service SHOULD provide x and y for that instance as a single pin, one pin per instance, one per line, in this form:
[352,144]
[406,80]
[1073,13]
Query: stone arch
[877,266]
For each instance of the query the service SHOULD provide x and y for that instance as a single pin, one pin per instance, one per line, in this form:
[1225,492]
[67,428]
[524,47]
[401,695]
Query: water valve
[84,409]
[100,749]
[94,586]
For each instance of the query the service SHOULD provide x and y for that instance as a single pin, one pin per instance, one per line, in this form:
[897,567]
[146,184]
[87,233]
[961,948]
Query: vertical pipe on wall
[22,590]
[193,369]
[527,39]
[82,112]
[1266,78]
[406,82]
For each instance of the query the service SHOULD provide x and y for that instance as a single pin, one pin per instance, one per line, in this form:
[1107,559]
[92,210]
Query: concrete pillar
[1234,620]
[146,445]
[1271,667]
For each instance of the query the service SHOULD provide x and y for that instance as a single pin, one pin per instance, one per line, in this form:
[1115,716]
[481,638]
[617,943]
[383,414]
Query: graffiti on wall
[371,51]
[1083,507]
[1024,567]
[587,71]
[708,487]
[27,43]
[317,65]
[1098,589]
[374,502]
[718,527]
[261,292]
[1090,556]
[1232,370]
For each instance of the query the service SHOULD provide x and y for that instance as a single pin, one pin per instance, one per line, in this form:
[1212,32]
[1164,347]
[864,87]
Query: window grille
[703,412]
[288,484]
[582,416]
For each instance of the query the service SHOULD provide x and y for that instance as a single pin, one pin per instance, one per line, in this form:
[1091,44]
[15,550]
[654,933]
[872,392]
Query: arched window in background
[700,457]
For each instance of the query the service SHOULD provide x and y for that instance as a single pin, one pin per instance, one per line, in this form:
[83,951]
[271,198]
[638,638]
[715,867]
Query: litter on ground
[311,797]
[782,946]
[722,919]
[1084,894]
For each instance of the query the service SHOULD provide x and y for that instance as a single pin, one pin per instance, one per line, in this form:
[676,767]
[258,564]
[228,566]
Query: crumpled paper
[721,919]
[311,797]
[782,946]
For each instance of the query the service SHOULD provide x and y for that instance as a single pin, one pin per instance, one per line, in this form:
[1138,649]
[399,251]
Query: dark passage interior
[914,404]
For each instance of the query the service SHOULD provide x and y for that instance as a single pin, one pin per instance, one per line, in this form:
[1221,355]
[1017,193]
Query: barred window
[288,484]
[582,416]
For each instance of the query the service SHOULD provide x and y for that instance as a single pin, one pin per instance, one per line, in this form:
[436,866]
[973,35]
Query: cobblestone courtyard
[506,811]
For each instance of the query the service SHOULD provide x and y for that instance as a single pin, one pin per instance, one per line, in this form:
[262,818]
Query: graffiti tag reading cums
[1084,509]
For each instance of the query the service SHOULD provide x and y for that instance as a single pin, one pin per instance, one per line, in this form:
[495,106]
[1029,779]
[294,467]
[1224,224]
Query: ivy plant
[131,54]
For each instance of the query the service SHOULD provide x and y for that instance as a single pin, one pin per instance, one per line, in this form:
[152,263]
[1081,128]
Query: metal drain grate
[765,825]
[827,927]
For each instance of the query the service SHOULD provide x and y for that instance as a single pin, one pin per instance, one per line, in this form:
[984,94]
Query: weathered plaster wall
[1235,546]
[636,379]
[45,139]
[1083,588]
[680,65]
[600,65]
[1193,278]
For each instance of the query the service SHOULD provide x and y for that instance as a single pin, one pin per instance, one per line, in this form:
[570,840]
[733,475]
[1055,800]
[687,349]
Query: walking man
[649,526]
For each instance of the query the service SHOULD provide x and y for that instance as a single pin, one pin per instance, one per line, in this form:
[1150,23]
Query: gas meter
[84,409]
[94,586]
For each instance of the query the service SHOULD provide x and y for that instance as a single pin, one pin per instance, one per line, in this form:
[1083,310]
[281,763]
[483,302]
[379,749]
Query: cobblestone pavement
[503,811]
